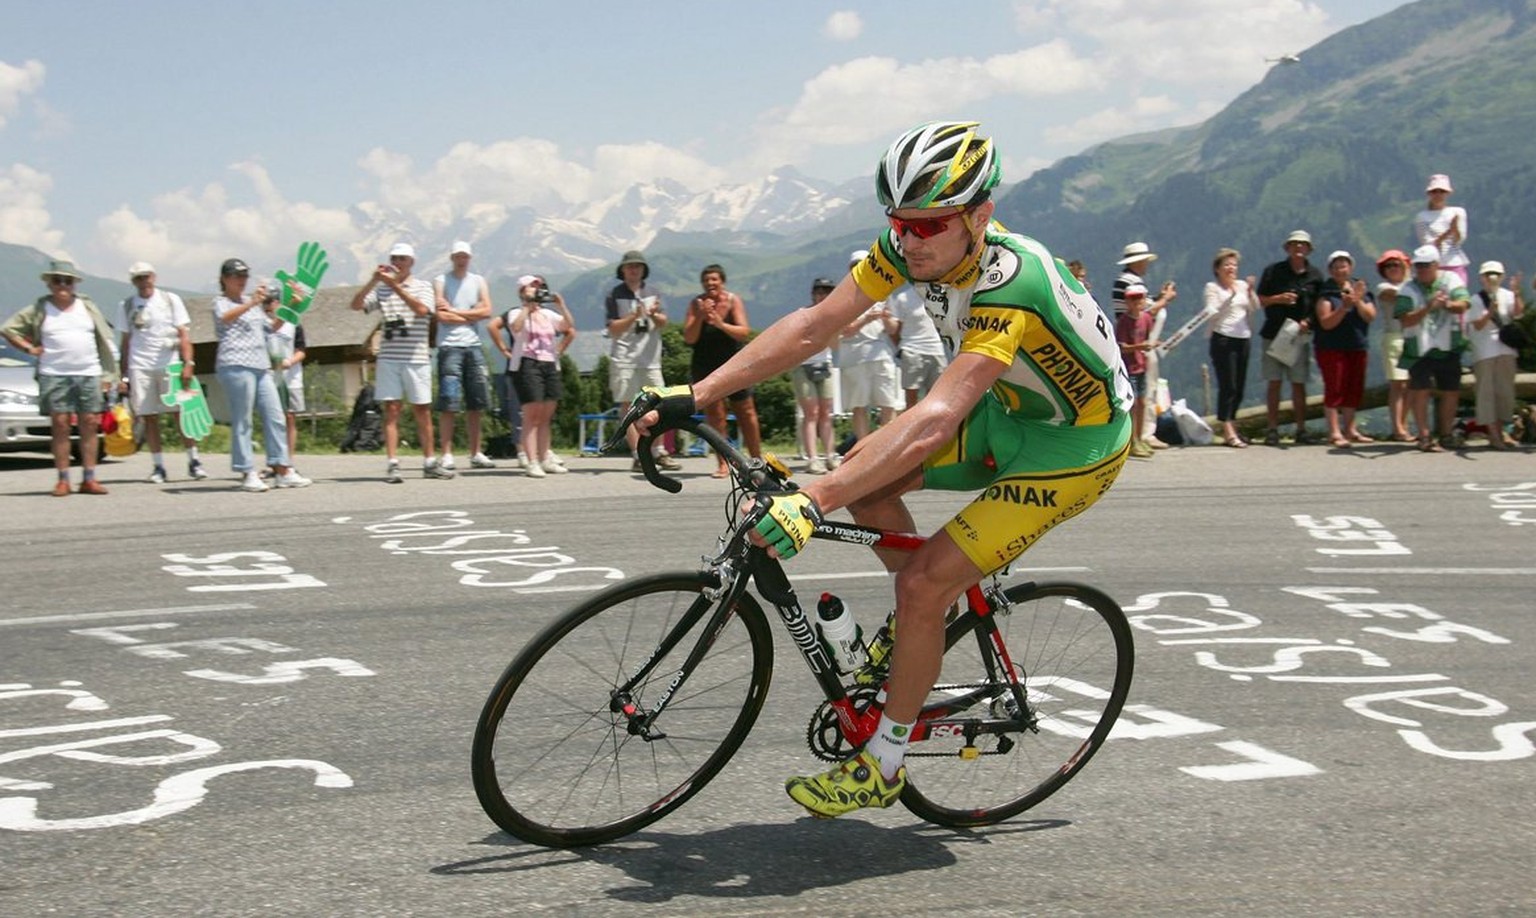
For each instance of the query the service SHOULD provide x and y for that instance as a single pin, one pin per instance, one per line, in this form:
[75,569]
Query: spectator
[716,328]
[1443,227]
[510,347]
[812,382]
[635,319]
[1133,331]
[1288,289]
[245,373]
[1345,310]
[1230,301]
[404,368]
[462,300]
[1493,361]
[1431,307]
[866,361]
[1393,268]
[286,347]
[541,319]
[921,351]
[154,324]
[1134,261]
[1080,271]
[73,345]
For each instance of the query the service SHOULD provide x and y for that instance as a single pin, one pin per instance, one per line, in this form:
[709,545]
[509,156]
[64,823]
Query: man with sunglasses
[75,358]
[1032,412]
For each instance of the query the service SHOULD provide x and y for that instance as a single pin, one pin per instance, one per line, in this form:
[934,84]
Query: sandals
[1361,438]
[1340,442]
[1430,445]
[1235,443]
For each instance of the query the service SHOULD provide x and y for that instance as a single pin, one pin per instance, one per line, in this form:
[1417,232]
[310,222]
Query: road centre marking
[1431,571]
[123,613]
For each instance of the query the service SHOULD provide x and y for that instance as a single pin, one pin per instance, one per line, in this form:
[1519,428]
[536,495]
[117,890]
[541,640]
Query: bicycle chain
[824,734]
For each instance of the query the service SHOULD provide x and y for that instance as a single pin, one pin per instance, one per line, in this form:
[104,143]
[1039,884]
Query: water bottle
[840,634]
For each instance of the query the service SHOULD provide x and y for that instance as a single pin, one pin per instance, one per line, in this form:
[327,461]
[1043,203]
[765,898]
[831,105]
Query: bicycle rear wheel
[1072,646]
[555,759]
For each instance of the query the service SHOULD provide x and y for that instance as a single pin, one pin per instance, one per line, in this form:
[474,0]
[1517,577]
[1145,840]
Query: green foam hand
[300,286]
[196,421]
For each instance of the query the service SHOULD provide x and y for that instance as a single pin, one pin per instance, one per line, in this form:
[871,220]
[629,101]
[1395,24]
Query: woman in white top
[1493,361]
[1443,227]
[1230,301]
[245,373]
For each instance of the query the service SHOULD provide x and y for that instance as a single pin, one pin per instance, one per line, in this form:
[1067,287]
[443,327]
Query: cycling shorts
[1032,476]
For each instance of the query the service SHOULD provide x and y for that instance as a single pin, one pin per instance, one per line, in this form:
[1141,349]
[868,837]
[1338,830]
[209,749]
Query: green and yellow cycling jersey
[1016,303]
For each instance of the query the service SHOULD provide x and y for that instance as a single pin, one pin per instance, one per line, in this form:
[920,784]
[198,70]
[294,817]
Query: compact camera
[543,295]
[395,325]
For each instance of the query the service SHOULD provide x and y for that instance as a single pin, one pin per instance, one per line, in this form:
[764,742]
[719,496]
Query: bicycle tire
[554,765]
[1074,646]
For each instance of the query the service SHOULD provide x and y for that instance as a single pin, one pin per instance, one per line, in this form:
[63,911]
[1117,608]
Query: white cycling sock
[889,745]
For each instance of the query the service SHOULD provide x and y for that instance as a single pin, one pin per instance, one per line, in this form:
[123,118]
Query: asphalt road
[228,704]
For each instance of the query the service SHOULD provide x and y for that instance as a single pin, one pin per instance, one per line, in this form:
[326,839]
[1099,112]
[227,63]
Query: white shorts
[400,381]
[871,384]
[626,382]
[144,390]
[920,371]
[292,391]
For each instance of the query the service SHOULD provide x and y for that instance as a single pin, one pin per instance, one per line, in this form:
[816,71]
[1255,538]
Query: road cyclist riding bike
[1032,411]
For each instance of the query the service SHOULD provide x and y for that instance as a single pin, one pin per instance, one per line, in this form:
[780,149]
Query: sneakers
[555,467]
[392,473]
[157,476]
[481,461]
[522,459]
[817,467]
[1271,437]
[853,785]
[1140,450]
[446,462]
[292,479]
[433,468]
[834,461]
[90,486]
[534,470]
[253,483]
[667,463]
[195,470]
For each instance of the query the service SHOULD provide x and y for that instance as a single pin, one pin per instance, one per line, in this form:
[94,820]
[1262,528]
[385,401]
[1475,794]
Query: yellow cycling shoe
[853,785]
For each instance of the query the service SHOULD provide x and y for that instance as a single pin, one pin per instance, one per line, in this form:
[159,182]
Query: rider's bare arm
[897,448]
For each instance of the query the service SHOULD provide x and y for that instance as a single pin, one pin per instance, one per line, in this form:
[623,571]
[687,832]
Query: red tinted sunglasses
[923,227]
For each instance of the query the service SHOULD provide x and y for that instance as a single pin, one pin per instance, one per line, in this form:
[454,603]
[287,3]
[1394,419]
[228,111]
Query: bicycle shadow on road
[749,861]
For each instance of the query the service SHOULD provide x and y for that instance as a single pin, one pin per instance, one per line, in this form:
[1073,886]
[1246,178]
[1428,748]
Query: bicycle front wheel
[1071,646]
[559,759]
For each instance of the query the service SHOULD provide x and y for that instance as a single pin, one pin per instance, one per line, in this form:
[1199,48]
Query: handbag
[1510,335]
[818,372]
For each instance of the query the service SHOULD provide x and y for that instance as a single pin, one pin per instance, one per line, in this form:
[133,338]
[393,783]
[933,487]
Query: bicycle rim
[1073,646]
[554,765]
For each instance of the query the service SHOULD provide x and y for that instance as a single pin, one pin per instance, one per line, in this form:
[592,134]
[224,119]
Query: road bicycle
[623,708]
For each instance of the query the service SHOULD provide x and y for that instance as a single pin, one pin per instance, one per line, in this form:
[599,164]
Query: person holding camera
[1493,309]
[544,328]
[245,371]
[635,320]
[405,364]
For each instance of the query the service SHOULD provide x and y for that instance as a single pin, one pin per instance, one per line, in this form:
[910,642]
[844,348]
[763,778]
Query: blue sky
[182,131]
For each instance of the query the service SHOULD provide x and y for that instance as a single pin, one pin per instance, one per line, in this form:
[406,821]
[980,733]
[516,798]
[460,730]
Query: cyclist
[1032,411]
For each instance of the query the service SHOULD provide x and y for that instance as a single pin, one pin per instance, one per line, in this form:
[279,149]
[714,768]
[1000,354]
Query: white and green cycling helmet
[938,164]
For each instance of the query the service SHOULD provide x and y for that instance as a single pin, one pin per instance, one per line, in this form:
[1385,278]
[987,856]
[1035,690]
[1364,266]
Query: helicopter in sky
[1284,59]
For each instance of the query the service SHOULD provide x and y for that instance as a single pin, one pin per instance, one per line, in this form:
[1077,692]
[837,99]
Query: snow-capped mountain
[520,240]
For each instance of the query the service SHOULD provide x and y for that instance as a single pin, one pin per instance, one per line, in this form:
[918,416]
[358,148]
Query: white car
[21,427]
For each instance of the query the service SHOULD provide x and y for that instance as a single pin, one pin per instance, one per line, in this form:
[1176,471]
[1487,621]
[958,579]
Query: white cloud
[16,83]
[843,25]
[24,217]
[186,233]
[1140,114]
[851,103]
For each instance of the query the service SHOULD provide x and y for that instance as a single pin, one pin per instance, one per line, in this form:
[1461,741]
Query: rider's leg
[884,509]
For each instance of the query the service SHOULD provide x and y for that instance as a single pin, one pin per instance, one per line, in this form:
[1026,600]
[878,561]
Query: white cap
[1426,255]
[856,256]
[527,279]
[1135,290]
[1341,254]
[139,269]
[1491,267]
[1438,182]
[460,247]
[402,248]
